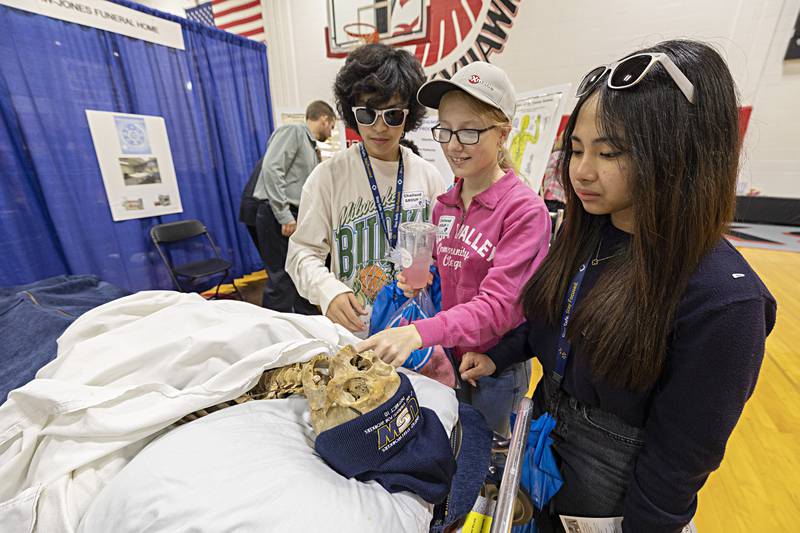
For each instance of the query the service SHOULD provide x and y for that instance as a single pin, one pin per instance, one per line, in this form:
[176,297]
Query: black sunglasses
[367,116]
[465,136]
[632,70]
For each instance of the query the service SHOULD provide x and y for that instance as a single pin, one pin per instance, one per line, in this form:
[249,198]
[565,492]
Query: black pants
[280,293]
[253,235]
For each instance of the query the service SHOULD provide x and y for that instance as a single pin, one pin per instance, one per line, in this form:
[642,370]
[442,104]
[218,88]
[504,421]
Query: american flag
[202,14]
[242,17]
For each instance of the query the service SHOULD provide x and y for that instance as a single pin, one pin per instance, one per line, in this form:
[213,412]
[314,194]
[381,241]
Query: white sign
[534,131]
[582,524]
[430,150]
[290,116]
[108,17]
[136,164]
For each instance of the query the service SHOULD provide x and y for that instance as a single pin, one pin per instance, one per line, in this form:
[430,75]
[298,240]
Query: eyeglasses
[366,116]
[628,72]
[465,136]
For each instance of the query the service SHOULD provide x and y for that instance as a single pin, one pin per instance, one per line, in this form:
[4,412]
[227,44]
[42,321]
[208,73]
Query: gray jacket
[291,156]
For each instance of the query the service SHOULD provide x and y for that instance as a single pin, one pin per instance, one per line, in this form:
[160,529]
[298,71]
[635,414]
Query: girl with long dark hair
[660,322]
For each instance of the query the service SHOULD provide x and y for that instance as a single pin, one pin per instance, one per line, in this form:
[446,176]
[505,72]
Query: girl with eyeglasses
[353,203]
[493,232]
[649,325]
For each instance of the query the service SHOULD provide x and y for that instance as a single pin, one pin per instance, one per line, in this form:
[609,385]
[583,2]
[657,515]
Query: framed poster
[534,130]
[136,164]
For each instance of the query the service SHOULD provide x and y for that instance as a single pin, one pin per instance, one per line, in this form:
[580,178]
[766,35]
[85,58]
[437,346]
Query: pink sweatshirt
[485,256]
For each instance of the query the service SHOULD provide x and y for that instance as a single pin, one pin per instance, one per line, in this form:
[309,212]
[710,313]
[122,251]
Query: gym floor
[756,488]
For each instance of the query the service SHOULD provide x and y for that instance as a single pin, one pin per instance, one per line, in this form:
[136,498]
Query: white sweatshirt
[338,216]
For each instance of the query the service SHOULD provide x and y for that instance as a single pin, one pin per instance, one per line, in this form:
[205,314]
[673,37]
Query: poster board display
[136,164]
[534,130]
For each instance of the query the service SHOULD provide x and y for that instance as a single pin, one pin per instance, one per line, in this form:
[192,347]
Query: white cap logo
[474,79]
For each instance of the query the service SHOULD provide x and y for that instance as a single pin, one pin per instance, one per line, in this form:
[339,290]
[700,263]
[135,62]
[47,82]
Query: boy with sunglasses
[353,203]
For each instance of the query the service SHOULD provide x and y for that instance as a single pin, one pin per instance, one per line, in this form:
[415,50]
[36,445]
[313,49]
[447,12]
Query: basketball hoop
[363,31]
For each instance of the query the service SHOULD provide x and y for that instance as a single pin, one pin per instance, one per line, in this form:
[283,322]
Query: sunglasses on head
[367,116]
[631,70]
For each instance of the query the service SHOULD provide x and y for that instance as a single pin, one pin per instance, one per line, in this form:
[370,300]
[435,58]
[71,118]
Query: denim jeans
[495,398]
[472,466]
[595,451]
[33,316]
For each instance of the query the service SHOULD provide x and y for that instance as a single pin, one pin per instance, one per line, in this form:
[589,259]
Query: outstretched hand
[393,345]
[474,366]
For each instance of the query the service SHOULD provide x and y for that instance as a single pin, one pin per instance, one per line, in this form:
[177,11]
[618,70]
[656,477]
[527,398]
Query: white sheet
[124,372]
[252,467]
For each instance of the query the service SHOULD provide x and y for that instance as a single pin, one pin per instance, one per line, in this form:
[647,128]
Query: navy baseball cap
[404,447]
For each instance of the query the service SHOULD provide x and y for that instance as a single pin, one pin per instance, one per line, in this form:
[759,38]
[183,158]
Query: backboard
[352,23]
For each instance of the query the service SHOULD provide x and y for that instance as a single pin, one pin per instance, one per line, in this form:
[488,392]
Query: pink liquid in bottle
[416,240]
[417,274]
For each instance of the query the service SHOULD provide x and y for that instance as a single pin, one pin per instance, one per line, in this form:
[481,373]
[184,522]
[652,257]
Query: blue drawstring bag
[540,476]
[387,302]
[419,307]
[392,309]
[390,299]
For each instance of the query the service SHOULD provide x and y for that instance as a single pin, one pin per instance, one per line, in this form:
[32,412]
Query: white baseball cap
[482,80]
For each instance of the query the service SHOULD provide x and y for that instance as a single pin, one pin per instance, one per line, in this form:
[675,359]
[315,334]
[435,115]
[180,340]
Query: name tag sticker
[445,225]
[413,200]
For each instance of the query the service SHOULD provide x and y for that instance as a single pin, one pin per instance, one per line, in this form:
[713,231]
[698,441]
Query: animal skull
[342,387]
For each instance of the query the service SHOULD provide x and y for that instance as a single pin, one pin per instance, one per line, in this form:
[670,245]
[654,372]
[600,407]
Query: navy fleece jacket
[714,356]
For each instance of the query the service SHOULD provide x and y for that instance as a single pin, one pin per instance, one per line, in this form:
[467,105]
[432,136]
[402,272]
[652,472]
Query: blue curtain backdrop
[54,213]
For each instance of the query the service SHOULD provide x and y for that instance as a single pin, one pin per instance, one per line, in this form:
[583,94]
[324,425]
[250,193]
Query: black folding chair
[184,230]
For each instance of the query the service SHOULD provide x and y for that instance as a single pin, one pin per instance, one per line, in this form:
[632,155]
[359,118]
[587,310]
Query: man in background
[291,156]
[248,208]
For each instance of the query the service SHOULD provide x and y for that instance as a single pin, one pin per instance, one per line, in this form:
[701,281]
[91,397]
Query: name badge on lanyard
[391,236]
[564,346]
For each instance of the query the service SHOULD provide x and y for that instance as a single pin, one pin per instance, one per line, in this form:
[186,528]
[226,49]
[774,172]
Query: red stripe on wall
[242,7]
[248,33]
[239,22]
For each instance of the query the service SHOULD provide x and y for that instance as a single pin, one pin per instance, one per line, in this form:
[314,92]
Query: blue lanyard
[564,345]
[376,196]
